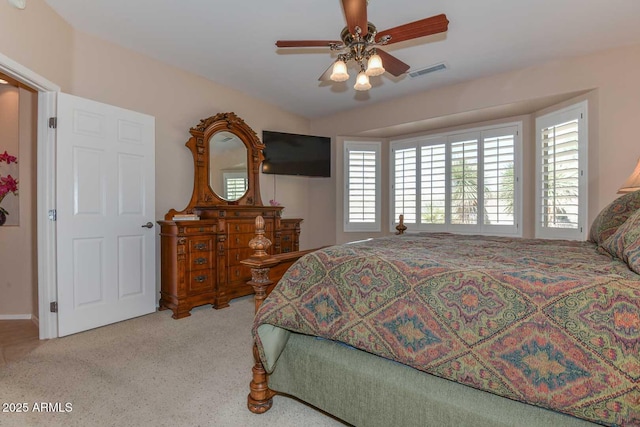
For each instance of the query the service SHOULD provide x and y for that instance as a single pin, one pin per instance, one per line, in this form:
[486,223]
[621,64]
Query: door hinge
[53,122]
[53,307]
[53,214]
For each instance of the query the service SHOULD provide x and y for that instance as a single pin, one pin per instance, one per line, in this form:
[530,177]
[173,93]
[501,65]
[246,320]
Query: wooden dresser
[200,259]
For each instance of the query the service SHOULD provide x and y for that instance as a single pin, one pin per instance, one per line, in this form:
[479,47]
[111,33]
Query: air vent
[430,69]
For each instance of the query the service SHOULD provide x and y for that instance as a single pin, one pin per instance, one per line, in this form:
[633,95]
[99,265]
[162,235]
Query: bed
[449,330]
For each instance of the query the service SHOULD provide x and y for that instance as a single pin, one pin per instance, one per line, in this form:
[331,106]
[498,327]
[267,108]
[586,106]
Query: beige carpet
[149,371]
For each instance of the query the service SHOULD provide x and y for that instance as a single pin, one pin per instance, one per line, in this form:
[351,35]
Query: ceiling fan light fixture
[362,82]
[374,66]
[359,40]
[339,73]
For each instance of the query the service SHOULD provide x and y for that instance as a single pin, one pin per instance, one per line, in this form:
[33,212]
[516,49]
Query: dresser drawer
[286,247]
[199,260]
[239,272]
[247,226]
[240,240]
[200,281]
[201,245]
[191,228]
[236,255]
[289,225]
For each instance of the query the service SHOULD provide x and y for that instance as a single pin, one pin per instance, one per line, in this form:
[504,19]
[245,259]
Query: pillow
[613,216]
[632,252]
[624,243]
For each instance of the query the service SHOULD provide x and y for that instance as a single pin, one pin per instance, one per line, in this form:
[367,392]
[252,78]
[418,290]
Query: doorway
[44,186]
[18,252]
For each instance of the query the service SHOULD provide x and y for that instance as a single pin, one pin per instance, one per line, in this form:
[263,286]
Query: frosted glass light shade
[362,82]
[374,66]
[633,182]
[339,73]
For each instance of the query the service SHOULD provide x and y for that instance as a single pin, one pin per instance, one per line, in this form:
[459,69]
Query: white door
[105,197]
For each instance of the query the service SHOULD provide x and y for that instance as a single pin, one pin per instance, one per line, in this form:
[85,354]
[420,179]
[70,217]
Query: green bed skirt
[369,391]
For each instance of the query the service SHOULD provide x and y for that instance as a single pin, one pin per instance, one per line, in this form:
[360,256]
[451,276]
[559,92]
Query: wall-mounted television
[294,154]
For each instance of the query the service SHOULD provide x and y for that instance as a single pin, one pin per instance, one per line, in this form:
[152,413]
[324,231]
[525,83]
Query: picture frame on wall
[9,153]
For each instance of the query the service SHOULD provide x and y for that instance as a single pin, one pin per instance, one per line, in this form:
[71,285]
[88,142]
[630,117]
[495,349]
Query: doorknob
[148,225]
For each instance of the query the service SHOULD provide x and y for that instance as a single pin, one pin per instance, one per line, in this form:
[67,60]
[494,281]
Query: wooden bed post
[266,271]
[260,396]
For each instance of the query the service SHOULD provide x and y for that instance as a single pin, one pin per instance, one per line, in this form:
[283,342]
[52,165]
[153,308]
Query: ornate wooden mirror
[227,155]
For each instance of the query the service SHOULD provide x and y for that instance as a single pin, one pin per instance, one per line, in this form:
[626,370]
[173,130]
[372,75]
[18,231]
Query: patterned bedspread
[552,323]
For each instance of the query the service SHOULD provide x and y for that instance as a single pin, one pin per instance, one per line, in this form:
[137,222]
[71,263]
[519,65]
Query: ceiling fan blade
[327,74]
[307,43]
[392,64]
[424,27]
[355,12]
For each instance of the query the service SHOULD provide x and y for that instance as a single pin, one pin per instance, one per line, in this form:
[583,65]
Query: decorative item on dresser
[203,244]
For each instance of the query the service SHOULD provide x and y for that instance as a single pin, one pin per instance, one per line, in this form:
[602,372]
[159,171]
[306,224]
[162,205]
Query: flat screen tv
[293,154]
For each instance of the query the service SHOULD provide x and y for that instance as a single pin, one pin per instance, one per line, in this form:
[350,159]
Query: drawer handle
[200,279]
[237,273]
[200,246]
[200,261]
[237,257]
[237,228]
[286,238]
[237,240]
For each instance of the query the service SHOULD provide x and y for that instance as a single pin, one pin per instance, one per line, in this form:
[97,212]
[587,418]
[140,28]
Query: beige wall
[37,38]
[18,280]
[614,108]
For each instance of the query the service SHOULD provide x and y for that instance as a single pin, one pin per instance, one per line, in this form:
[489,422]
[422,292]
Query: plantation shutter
[464,182]
[362,192]
[405,184]
[499,179]
[433,184]
[560,171]
[561,182]
[234,186]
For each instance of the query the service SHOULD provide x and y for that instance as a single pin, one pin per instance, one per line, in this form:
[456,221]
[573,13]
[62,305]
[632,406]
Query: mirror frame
[203,195]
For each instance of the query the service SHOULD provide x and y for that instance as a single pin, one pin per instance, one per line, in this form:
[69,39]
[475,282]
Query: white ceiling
[231,42]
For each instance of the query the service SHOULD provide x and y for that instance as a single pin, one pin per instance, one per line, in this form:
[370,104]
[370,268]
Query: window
[561,158]
[406,182]
[362,186]
[464,182]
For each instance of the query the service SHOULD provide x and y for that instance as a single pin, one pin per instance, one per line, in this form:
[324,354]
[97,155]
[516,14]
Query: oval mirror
[228,175]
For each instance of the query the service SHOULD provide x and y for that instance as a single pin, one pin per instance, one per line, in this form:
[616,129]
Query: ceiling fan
[360,41]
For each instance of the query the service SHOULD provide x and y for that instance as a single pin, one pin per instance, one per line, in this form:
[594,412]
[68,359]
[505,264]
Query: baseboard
[16,316]
[35,320]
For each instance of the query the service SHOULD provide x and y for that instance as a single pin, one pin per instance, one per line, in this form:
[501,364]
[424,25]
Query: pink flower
[8,158]
[8,184]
